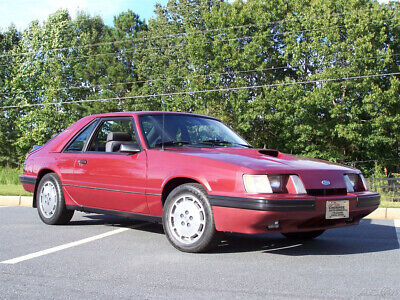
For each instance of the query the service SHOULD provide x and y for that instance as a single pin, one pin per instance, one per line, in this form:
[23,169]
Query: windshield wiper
[216,142]
[171,143]
[221,142]
[244,145]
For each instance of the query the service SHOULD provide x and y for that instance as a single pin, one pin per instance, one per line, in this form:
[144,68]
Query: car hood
[312,171]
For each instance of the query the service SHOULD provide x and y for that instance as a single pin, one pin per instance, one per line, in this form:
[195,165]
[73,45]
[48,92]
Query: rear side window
[80,141]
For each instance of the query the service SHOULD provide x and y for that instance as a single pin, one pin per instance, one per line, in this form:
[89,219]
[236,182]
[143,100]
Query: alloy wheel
[187,219]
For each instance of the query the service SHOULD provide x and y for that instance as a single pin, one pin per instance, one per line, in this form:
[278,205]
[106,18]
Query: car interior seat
[115,139]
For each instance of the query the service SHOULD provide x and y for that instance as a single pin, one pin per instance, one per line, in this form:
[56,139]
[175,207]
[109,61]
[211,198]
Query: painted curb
[393,213]
[26,201]
[379,213]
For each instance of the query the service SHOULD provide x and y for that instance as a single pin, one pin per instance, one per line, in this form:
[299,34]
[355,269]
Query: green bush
[9,175]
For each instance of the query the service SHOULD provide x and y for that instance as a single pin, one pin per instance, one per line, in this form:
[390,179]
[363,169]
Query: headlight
[276,182]
[268,184]
[355,183]
[257,184]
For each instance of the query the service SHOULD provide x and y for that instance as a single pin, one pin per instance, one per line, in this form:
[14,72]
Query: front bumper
[254,215]
[28,182]
[263,204]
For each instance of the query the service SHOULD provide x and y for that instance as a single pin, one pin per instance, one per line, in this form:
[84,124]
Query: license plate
[337,209]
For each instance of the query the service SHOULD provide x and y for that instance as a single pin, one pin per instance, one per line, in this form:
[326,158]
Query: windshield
[179,130]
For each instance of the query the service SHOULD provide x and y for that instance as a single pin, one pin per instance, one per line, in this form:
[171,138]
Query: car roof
[140,113]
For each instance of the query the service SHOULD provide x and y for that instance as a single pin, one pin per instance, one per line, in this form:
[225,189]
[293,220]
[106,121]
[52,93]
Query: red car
[194,175]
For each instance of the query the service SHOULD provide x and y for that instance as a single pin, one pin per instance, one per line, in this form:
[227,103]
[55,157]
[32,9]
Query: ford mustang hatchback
[194,175]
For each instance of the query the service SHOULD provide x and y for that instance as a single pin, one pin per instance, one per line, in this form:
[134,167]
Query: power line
[183,34]
[175,77]
[133,49]
[144,80]
[370,160]
[202,91]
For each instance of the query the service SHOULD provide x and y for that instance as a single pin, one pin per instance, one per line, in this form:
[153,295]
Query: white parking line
[397,226]
[69,245]
[283,248]
[1,206]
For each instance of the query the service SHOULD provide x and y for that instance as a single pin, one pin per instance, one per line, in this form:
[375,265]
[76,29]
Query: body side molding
[111,190]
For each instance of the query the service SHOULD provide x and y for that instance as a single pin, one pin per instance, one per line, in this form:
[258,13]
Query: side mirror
[35,147]
[129,148]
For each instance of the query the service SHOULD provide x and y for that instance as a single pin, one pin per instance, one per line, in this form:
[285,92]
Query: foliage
[199,45]
[9,176]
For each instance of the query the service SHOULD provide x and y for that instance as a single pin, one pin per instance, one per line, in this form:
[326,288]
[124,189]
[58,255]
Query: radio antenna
[163,125]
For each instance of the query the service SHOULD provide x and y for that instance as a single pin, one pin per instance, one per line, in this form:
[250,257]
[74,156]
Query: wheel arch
[174,182]
[41,173]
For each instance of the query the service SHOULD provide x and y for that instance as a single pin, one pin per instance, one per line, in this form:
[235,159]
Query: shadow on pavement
[97,219]
[116,221]
[364,238]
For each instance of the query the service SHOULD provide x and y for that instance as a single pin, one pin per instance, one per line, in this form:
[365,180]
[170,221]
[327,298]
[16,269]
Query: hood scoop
[269,152]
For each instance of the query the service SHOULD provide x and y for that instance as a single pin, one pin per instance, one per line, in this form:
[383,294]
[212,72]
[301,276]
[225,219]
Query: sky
[22,12]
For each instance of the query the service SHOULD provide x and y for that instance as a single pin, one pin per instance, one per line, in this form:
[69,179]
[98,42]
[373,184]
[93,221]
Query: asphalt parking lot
[102,256]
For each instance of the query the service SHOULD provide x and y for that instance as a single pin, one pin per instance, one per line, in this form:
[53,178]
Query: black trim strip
[263,204]
[368,200]
[27,179]
[111,190]
[141,217]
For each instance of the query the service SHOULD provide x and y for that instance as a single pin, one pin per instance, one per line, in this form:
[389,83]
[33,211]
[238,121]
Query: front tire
[307,235]
[50,201]
[188,220]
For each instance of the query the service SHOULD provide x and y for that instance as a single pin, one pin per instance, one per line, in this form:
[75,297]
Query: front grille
[326,192]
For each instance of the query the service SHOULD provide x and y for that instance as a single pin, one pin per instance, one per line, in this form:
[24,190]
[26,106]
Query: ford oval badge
[325,182]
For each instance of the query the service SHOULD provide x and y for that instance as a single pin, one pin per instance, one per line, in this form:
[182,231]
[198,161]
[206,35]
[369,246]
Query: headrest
[119,136]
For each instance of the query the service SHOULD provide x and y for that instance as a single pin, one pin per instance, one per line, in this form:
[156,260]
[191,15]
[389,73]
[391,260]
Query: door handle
[82,162]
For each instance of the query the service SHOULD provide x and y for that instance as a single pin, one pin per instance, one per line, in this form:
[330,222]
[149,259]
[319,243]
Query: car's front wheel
[188,219]
[50,201]
[308,235]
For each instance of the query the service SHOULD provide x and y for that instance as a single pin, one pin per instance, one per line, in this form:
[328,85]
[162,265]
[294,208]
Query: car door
[65,161]
[111,180]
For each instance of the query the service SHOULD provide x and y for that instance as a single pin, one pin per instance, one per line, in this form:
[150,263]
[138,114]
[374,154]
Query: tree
[8,41]
[299,76]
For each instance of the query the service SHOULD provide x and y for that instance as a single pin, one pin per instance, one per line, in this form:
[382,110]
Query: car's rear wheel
[188,219]
[50,201]
[308,235]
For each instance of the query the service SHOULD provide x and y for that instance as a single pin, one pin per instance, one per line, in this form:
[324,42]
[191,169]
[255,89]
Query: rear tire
[308,235]
[188,219]
[50,201]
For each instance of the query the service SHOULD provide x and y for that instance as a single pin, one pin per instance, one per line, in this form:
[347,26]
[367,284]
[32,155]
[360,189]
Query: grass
[386,201]
[9,182]
[389,204]
[13,190]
